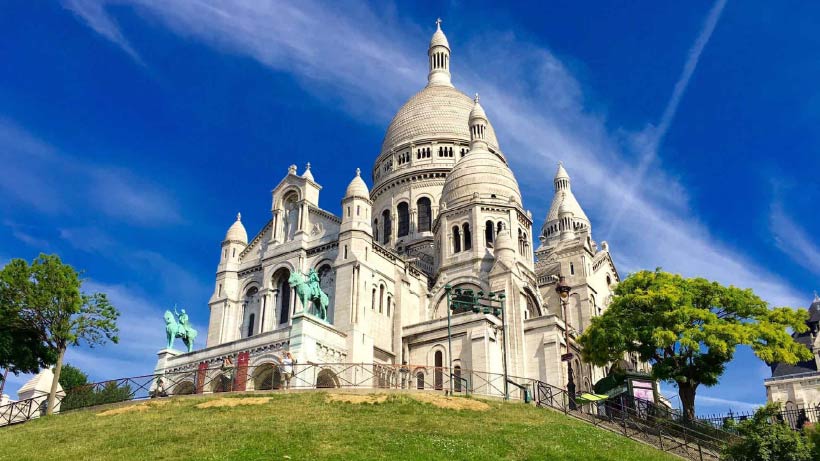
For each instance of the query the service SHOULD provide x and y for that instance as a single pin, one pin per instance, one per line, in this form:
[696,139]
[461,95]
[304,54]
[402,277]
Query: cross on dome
[438,23]
[239,216]
[358,171]
[476,98]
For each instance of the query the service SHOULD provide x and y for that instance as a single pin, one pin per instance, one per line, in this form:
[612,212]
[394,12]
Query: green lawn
[306,426]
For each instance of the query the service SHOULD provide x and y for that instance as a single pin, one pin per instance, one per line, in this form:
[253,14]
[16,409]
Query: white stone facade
[444,209]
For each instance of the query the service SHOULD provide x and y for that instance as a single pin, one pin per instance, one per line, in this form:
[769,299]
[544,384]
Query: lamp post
[563,290]
[491,303]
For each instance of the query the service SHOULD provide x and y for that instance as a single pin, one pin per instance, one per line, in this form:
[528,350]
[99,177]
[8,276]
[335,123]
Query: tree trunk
[686,391]
[52,396]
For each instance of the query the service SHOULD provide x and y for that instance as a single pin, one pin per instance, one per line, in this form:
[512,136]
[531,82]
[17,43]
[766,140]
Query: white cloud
[793,240]
[370,62]
[93,13]
[38,175]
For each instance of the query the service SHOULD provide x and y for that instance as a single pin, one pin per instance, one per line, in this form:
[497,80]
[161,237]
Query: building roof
[434,112]
[357,187]
[38,385]
[480,172]
[237,231]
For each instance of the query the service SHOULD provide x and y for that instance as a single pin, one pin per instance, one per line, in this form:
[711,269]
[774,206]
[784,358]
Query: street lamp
[489,303]
[563,290]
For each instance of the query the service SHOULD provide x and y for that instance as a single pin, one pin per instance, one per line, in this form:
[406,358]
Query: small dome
[237,232]
[357,187]
[307,174]
[478,111]
[562,172]
[439,39]
[504,246]
[483,173]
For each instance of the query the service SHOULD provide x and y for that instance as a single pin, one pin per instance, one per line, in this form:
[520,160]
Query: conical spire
[561,180]
[478,126]
[438,56]
[307,174]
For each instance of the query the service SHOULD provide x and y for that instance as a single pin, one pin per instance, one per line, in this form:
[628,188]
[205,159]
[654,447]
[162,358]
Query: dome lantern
[439,58]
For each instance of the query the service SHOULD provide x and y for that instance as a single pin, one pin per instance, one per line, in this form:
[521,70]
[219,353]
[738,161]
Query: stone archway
[326,379]
[184,388]
[266,377]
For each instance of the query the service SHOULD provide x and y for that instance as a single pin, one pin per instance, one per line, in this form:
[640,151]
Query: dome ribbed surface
[439,39]
[435,112]
[480,172]
[357,188]
[237,232]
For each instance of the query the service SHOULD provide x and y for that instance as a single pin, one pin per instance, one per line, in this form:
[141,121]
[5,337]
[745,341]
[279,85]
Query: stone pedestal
[162,359]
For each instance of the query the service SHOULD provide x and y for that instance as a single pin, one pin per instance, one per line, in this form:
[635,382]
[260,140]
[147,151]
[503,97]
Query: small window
[358,210]
[251,320]
[234,253]
[456,239]
[373,300]
[381,299]
[388,305]
[219,290]
[345,252]
[571,269]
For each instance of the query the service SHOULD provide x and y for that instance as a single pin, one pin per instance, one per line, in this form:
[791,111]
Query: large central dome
[437,111]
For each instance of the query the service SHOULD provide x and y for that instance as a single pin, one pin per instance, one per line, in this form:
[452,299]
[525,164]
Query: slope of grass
[312,426]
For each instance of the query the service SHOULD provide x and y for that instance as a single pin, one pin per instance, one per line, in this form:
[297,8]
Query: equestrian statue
[179,329]
[310,293]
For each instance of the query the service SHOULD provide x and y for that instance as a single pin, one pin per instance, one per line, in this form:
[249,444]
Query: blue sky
[131,132]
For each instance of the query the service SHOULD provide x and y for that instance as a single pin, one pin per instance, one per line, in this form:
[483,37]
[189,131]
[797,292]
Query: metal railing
[795,418]
[270,376]
[643,420]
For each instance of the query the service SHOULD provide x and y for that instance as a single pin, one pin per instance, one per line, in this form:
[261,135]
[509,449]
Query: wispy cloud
[793,240]
[38,175]
[648,142]
[722,406]
[94,14]
[534,102]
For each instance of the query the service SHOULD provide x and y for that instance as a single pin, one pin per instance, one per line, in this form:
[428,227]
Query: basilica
[443,210]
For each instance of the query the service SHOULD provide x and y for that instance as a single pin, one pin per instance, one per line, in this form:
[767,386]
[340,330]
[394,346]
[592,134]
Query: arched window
[381,299]
[468,237]
[488,234]
[500,226]
[439,372]
[251,320]
[425,214]
[608,280]
[419,380]
[457,378]
[386,230]
[404,219]
[456,239]
[280,279]
[388,305]
[373,300]
[376,230]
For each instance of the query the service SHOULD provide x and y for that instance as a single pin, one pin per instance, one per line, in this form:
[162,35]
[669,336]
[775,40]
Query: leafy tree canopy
[688,329]
[22,344]
[49,298]
[72,377]
[764,438]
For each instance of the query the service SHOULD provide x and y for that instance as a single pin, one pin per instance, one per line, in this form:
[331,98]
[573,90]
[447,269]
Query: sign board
[566,357]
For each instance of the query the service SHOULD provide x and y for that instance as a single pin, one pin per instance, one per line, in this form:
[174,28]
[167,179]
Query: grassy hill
[317,425]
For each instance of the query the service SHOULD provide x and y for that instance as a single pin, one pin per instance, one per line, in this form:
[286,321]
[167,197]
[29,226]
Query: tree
[22,349]
[62,314]
[71,377]
[764,438]
[688,329]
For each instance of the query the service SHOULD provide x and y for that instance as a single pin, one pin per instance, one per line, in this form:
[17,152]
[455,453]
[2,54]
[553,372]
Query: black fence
[794,417]
[268,377]
[643,420]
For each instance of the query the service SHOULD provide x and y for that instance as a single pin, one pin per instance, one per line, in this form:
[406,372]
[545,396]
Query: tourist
[287,368]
